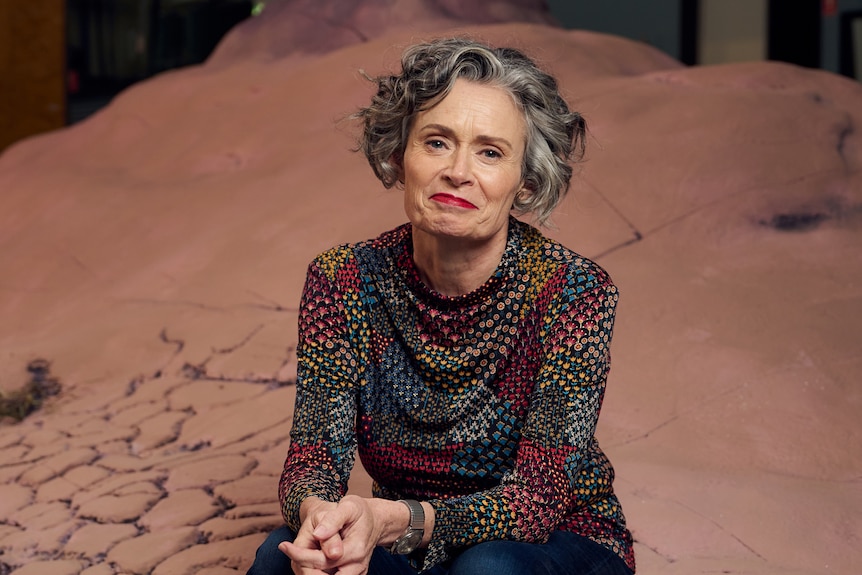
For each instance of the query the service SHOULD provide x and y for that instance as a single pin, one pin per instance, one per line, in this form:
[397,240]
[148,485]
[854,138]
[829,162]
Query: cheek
[506,190]
[412,200]
[417,179]
[417,169]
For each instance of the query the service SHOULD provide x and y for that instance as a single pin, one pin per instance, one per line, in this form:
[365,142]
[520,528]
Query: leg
[564,554]
[270,561]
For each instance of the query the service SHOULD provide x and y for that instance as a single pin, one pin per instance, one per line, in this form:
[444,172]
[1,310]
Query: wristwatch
[411,539]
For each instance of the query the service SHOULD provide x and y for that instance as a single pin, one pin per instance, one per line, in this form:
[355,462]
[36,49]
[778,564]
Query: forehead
[483,106]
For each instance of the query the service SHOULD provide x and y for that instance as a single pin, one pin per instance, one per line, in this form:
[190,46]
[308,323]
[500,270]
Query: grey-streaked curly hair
[555,134]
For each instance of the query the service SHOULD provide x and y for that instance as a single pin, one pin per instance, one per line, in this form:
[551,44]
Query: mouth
[451,200]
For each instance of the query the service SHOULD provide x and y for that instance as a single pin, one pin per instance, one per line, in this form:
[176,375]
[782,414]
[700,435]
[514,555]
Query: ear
[397,160]
[524,194]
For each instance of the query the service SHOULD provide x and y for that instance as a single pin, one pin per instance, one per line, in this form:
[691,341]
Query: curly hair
[555,134]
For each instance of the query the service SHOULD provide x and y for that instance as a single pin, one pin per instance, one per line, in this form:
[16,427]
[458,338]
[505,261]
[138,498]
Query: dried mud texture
[165,475]
[156,252]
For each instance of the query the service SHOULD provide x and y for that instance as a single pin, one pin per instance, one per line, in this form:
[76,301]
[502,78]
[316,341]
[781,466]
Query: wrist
[392,519]
[412,537]
[307,506]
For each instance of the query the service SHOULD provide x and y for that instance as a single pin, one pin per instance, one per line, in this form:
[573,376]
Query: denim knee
[500,558]
[269,560]
[563,554]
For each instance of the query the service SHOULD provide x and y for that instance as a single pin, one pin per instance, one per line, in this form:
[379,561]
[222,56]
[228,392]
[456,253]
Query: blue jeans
[564,554]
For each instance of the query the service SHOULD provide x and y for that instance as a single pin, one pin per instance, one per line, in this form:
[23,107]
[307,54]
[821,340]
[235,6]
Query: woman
[463,354]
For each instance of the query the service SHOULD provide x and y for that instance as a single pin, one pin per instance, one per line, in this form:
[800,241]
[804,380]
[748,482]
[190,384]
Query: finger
[353,569]
[346,512]
[305,540]
[331,523]
[332,547]
[299,570]
[307,558]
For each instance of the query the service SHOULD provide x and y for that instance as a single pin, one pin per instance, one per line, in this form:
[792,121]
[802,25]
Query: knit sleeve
[322,439]
[556,468]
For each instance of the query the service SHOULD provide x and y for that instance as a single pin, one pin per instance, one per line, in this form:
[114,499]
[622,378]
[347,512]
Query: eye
[491,154]
[435,144]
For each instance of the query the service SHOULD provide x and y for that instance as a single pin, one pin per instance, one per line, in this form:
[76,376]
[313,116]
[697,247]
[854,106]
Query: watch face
[407,543]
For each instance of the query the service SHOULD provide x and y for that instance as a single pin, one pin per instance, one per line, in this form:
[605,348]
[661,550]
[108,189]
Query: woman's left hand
[335,538]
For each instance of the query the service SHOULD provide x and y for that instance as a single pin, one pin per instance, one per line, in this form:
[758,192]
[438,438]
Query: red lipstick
[451,200]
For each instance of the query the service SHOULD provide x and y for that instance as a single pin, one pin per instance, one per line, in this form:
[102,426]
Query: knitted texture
[484,404]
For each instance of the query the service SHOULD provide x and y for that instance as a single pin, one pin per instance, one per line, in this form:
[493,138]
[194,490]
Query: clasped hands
[334,538]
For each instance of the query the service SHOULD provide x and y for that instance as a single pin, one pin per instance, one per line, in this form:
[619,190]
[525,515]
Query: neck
[453,266]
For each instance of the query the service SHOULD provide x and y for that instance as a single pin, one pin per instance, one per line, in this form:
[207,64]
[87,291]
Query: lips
[451,200]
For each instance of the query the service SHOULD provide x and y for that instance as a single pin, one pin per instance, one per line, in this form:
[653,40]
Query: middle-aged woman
[463,354]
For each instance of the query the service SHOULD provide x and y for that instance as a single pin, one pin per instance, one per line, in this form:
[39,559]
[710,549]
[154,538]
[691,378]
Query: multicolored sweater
[485,405]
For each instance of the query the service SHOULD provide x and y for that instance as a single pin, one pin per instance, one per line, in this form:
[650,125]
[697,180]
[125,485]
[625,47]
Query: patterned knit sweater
[485,405]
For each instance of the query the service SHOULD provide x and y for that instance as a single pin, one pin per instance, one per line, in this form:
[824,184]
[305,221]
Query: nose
[459,171]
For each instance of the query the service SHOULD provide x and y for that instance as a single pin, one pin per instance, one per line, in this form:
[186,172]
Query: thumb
[335,520]
[328,527]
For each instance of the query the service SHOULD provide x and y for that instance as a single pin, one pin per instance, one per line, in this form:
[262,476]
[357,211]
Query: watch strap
[412,537]
[417,514]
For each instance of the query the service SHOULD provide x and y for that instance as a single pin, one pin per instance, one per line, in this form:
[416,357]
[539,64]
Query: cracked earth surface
[177,474]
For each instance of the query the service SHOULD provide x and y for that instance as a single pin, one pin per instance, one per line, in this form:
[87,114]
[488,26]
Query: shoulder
[546,257]
[349,257]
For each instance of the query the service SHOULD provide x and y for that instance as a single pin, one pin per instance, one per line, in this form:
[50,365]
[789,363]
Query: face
[462,164]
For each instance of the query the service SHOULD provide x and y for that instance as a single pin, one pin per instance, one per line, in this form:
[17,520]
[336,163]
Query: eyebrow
[446,131]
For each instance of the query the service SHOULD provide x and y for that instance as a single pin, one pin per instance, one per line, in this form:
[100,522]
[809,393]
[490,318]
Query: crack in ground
[162,302]
[648,432]
[199,371]
[241,343]
[694,407]
[181,344]
[722,529]
[656,551]
[638,235]
[270,304]
[77,261]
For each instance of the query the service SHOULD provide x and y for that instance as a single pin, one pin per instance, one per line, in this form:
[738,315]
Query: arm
[333,530]
[321,452]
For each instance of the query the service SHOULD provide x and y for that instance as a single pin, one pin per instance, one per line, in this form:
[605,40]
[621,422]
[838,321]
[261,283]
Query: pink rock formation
[155,255]
[314,27]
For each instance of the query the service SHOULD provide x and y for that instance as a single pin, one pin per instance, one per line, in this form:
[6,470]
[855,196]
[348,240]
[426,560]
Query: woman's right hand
[307,555]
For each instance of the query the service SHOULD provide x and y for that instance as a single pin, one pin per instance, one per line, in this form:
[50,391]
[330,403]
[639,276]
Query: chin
[445,227]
